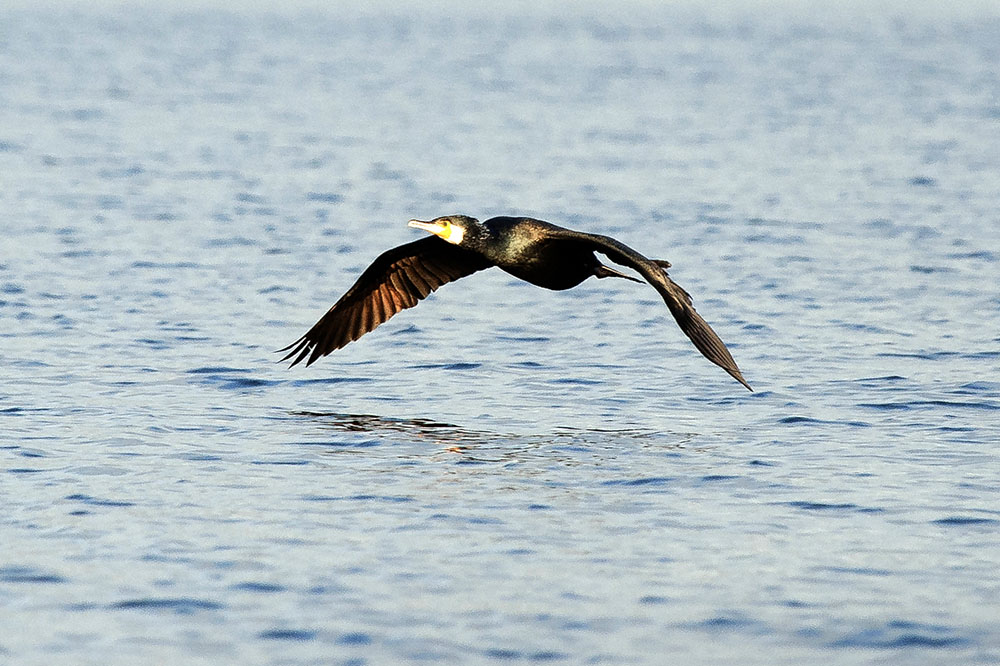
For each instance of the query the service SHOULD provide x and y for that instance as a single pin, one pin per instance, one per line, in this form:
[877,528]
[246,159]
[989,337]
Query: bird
[538,252]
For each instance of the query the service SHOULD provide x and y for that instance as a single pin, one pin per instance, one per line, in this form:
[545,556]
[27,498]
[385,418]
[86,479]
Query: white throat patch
[455,235]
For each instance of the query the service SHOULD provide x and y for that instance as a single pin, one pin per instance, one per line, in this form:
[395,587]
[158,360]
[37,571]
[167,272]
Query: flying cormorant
[535,251]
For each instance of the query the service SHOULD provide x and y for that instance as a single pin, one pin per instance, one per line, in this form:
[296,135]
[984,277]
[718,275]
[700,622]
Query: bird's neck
[478,239]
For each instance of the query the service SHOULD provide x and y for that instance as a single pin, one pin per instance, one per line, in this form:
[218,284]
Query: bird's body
[543,254]
[539,253]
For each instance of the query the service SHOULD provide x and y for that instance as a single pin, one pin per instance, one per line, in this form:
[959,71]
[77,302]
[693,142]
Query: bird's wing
[678,300]
[396,280]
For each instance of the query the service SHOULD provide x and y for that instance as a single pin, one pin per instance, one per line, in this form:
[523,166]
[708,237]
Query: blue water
[503,474]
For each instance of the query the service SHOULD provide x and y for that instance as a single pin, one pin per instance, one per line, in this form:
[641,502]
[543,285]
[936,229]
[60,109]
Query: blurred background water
[504,474]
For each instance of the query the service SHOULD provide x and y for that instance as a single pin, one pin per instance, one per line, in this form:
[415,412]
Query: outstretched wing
[396,280]
[678,300]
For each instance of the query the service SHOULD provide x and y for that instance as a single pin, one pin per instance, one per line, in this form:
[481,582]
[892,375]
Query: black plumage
[543,254]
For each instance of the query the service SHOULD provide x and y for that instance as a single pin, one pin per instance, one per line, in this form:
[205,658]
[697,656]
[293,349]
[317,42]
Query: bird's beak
[435,228]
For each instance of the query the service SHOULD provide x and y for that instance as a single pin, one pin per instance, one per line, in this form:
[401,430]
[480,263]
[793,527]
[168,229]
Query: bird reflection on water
[454,438]
[478,445]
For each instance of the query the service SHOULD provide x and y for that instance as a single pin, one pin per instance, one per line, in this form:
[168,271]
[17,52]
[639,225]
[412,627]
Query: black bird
[538,252]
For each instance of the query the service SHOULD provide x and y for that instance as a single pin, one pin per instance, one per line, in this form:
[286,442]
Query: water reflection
[387,430]
[371,423]
[492,446]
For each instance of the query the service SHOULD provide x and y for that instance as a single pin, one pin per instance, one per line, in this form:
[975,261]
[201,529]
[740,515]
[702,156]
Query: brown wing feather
[398,279]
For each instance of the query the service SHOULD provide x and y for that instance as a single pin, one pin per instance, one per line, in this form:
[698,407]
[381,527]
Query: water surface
[504,474]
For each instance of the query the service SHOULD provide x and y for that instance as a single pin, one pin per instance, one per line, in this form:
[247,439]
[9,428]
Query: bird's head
[453,228]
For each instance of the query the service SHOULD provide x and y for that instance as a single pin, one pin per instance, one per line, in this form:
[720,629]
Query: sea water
[503,474]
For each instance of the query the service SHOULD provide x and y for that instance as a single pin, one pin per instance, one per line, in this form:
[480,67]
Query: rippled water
[503,474]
